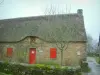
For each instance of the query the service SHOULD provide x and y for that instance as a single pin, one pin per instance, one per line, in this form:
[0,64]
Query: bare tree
[89,44]
[98,47]
[60,43]
[58,29]
[93,46]
[54,34]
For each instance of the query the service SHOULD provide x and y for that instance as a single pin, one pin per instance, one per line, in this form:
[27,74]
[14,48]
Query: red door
[32,56]
[9,52]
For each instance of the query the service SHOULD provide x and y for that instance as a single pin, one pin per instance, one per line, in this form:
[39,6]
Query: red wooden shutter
[53,53]
[9,51]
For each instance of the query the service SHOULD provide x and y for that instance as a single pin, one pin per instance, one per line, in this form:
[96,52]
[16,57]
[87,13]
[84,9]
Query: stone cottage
[44,39]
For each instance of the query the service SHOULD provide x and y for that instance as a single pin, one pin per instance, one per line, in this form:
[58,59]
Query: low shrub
[38,69]
[4,73]
[97,59]
[84,66]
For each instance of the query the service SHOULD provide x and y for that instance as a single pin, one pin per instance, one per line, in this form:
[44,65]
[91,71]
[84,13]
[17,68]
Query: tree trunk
[61,57]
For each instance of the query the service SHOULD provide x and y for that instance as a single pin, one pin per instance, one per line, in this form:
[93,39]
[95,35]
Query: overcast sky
[23,8]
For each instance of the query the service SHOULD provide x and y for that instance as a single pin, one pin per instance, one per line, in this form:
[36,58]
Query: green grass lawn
[97,59]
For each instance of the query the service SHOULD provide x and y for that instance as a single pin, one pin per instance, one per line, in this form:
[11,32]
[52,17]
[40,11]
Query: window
[9,52]
[53,53]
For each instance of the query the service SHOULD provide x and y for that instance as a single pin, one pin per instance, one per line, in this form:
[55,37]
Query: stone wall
[21,52]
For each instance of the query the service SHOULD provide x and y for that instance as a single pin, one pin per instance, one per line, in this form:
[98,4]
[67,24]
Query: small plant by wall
[84,66]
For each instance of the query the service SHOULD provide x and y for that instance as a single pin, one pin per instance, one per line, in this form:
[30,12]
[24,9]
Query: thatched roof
[71,25]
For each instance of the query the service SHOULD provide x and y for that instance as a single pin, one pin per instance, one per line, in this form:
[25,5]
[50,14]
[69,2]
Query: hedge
[38,69]
[4,73]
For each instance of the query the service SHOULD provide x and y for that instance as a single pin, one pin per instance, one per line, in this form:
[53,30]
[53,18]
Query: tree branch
[67,46]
